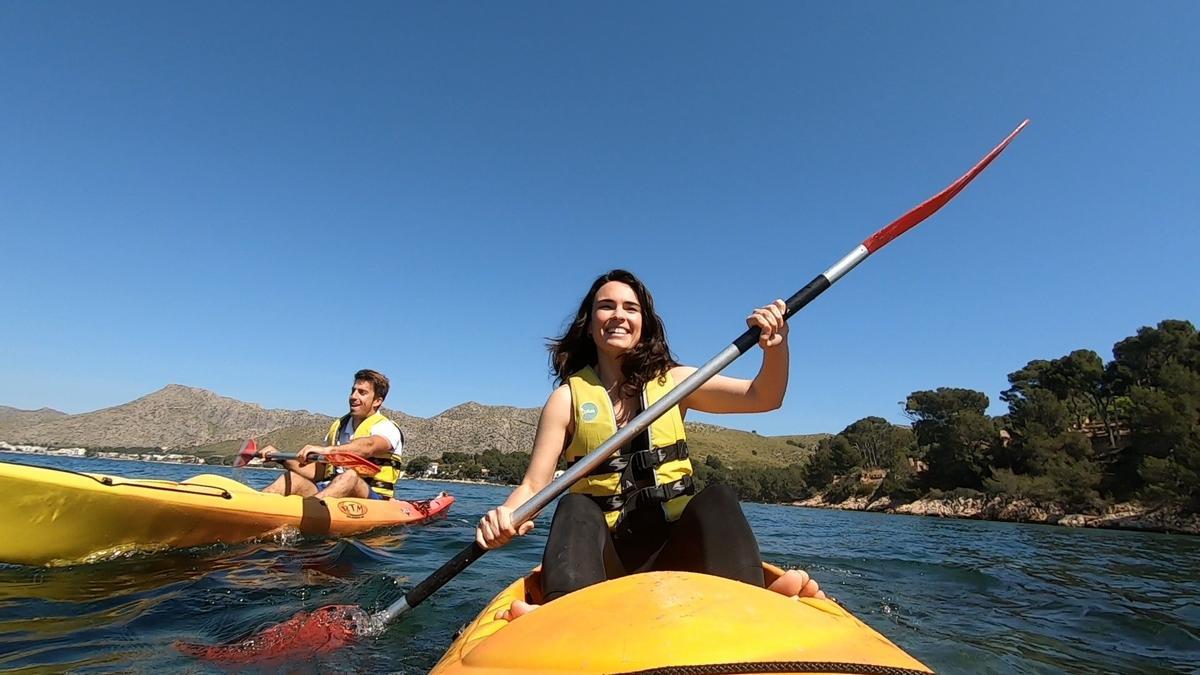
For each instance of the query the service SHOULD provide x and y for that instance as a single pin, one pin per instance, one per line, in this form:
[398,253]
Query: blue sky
[259,199]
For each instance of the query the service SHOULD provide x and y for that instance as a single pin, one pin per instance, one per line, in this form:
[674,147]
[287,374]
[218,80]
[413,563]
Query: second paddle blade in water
[305,634]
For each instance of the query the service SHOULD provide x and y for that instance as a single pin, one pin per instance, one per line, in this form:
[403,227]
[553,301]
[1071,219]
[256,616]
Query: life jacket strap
[642,460]
[653,494]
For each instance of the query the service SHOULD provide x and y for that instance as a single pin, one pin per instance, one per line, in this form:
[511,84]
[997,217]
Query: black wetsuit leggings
[711,536]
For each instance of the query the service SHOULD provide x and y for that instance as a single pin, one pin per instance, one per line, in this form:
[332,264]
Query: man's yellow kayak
[671,622]
[55,516]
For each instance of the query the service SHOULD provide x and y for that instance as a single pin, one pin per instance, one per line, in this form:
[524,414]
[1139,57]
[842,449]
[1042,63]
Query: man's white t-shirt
[386,429]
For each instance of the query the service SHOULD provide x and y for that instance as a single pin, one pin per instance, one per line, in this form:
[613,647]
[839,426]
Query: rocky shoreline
[1122,516]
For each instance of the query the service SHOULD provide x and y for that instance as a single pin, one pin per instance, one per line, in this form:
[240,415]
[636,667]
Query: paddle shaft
[340,459]
[740,346]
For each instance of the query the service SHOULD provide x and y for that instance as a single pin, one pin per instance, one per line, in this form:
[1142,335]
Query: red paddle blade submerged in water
[305,634]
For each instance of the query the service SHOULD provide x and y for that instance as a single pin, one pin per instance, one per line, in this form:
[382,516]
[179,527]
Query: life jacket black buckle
[647,460]
[665,493]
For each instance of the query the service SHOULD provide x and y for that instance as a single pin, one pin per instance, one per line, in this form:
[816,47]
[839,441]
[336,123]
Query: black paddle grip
[794,304]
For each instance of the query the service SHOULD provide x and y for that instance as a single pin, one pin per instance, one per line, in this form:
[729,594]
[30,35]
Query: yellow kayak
[671,622]
[56,517]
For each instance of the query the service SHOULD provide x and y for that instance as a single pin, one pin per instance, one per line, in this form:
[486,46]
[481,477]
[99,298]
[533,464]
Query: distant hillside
[198,421]
[286,439]
[473,427]
[744,448]
[28,417]
[173,417]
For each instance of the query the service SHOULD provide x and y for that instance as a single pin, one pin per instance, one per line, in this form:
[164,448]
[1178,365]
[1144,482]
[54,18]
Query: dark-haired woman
[639,511]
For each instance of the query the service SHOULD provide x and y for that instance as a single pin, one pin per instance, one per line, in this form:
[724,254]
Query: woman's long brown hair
[650,358]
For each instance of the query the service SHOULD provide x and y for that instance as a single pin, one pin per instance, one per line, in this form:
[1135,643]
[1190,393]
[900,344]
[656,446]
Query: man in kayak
[640,510]
[363,431]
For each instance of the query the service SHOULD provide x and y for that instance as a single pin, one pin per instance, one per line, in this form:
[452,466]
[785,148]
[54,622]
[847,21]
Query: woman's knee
[574,554]
[716,506]
[574,503]
[579,510]
[718,495]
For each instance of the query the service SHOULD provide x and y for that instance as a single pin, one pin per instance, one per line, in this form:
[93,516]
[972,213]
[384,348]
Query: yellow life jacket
[390,469]
[653,469]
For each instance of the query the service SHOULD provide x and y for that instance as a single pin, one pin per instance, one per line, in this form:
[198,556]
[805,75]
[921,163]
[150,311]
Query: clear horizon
[260,200]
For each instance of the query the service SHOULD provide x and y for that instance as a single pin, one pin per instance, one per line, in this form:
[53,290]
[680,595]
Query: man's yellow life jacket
[391,467]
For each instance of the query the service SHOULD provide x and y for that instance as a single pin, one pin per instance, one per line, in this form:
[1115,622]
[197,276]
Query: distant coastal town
[141,456]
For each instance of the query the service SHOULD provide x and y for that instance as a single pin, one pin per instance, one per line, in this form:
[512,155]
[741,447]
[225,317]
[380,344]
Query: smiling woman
[639,511]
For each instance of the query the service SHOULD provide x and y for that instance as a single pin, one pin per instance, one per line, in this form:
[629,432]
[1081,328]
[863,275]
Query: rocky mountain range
[28,416]
[191,420]
[173,417]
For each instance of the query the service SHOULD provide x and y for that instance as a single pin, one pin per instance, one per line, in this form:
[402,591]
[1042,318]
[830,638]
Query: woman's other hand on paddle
[496,528]
[724,394]
[769,320]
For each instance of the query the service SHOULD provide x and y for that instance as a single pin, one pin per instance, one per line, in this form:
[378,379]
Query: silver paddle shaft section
[393,610]
[847,263]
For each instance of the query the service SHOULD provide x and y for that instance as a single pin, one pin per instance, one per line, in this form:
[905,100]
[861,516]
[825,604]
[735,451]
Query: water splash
[375,625]
[287,536]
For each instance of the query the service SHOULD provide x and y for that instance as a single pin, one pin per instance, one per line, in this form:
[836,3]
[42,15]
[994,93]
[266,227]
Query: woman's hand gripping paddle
[347,460]
[330,627]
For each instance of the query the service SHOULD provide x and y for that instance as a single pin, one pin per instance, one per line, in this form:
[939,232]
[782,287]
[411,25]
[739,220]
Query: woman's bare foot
[518,609]
[797,584]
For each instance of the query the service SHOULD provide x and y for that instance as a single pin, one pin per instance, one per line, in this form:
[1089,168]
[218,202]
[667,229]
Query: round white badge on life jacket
[589,411]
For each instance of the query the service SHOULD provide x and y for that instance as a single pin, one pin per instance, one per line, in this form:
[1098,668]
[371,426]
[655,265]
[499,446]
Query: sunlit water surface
[962,596]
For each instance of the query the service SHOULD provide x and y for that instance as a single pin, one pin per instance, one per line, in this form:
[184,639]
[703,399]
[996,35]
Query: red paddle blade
[304,635]
[349,460]
[247,453]
[930,206]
